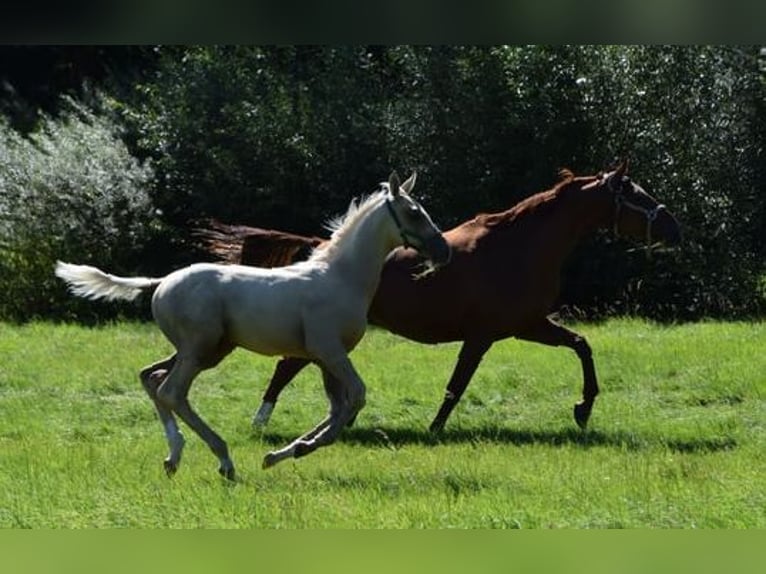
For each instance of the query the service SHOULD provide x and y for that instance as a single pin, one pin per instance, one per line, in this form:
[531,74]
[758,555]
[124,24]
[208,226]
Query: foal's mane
[538,203]
[343,225]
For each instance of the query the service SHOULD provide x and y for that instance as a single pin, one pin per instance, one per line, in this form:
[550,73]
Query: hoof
[227,473]
[269,460]
[170,467]
[437,426]
[582,414]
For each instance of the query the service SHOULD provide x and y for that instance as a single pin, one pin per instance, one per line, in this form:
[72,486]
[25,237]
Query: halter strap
[402,232]
[649,214]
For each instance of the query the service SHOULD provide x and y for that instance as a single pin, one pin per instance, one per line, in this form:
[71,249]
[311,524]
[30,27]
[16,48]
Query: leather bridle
[621,201]
[402,232]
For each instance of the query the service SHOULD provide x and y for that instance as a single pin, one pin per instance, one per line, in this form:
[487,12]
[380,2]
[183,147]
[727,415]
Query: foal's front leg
[346,393]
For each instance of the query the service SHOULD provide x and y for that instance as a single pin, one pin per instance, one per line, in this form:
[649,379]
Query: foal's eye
[413,213]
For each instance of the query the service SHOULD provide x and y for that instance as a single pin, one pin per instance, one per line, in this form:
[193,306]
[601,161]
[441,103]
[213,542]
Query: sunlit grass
[676,439]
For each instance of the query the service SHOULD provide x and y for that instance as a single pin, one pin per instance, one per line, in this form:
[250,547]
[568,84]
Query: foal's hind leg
[548,332]
[151,378]
[174,394]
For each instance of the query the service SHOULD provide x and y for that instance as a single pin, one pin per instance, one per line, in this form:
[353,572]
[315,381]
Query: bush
[70,191]
[692,120]
[275,137]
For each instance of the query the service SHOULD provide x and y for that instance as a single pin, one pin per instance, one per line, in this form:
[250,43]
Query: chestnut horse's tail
[253,245]
[92,283]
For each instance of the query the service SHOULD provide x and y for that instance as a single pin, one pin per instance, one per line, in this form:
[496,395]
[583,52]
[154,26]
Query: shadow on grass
[393,438]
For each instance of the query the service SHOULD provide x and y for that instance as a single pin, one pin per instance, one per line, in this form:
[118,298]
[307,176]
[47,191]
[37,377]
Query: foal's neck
[363,250]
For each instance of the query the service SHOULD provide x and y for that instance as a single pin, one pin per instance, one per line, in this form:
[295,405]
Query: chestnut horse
[315,309]
[502,282]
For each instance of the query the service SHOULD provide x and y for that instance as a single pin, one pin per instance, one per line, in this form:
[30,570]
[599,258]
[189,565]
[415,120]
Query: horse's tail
[87,281]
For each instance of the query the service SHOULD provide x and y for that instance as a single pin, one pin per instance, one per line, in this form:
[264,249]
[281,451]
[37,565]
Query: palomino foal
[316,309]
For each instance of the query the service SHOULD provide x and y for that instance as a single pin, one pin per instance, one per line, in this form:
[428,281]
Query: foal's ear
[393,184]
[410,183]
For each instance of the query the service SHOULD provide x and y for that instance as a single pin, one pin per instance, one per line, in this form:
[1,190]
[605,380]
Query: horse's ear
[566,174]
[393,183]
[410,183]
[622,169]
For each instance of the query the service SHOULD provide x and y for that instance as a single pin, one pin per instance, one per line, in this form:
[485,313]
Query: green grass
[677,437]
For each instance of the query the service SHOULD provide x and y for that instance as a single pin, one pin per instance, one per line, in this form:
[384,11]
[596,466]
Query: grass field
[677,438]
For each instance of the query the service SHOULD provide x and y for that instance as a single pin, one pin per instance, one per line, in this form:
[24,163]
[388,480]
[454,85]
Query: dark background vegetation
[109,155]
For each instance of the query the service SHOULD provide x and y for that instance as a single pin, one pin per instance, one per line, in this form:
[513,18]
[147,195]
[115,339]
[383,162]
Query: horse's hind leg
[151,378]
[550,333]
[468,361]
[285,372]
[174,394]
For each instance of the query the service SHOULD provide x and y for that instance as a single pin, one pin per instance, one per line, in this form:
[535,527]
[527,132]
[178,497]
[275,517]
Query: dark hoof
[269,460]
[351,421]
[582,414]
[170,467]
[437,426]
[227,473]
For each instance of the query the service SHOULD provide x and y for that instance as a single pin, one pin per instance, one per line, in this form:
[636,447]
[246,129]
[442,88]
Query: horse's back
[258,309]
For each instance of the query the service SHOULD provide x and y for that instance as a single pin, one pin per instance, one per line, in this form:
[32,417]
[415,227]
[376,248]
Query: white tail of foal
[92,283]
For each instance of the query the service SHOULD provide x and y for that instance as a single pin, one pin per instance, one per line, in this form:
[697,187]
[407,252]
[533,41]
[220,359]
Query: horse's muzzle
[667,230]
[438,250]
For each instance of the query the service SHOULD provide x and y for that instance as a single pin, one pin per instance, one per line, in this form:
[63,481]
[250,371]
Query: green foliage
[34,77]
[69,191]
[263,136]
[282,137]
[676,440]
[692,121]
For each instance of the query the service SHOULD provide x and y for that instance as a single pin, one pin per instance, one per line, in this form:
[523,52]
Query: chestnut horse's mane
[544,200]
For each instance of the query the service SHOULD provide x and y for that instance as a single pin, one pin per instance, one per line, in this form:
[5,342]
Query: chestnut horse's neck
[551,223]
[575,205]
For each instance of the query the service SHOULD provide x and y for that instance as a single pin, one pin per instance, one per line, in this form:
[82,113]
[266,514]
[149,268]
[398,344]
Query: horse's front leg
[306,443]
[286,370]
[548,332]
[346,393]
[468,361]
